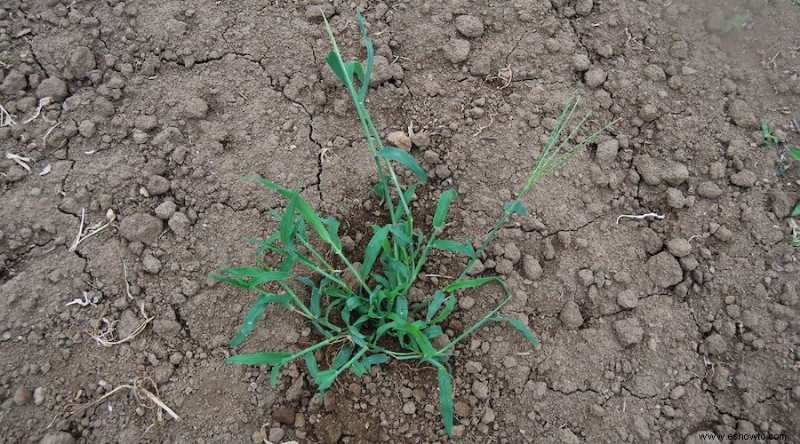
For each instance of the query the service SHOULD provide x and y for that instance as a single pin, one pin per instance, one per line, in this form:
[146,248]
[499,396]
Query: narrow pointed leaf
[370,57]
[448,308]
[433,331]
[264,358]
[304,208]
[796,211]
[446,398]
[447,245]
[343,356]
[407,160]
[311,363]
[255,313]
[515,208]
[519,326]
[373,249]
[442,207]
[436,302]
[469,283]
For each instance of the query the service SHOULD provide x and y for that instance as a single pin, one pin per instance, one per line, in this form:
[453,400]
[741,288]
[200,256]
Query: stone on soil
[629,331]
[469,26]
[141,227]
[456,50]
[52,87]
[664,270]
[531,267]
[571,315]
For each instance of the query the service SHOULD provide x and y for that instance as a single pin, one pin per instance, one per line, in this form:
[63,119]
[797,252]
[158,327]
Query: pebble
[466,302]
[675,198]
[709,190]
[166,209]
[469,26]
[715,344]
[607,151]
[481,390]
[276,434]
[677,392]
[648,112]
[456,50]
[284,415]
[195,108]
[22,396]
[38,396]
[488,416]
[531,267]
[157,185]
[179,224]
[595,78]
[399,139]
[679,247]
[664,270]
[584,7]
[82,62]
[409,408]
[87,128]
[58,438]
[462,409]
[14,82]
[473,367]
[627,299]
[151,264]
[571,315]
[512,253]
[52,87]
[145,122]
[629,331]
[586,277]
[581,62]
[503,266]
[141,227]
[742,115]
[655,73]
[744,178]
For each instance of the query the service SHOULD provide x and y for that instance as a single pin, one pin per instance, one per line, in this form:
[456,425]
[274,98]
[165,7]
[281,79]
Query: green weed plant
[372,322]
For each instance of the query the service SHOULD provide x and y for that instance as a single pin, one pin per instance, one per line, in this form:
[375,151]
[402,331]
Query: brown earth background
[652,329]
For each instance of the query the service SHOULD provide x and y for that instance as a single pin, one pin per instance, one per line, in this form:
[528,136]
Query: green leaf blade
[442,207]
[263,358]
[446,397]
[403,158]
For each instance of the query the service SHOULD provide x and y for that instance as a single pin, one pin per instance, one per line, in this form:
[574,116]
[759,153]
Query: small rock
[607,151]
[679,247]
[179,224]
[715,344]
[284,415]
[22,396]
[586,277]
[87,128]
[473,367]
[677,392]
[128,323]
[276,434]
[674,173]
[58,438]
[52,87]
[409,408]
[167,328]
[709,190]
[469,26]
[571,315]
[744,179]
[141,227]
[531,267]
[503,266]
[14,82]
[399,139]
[195,108]
[456,50]
[567,436]
[628,299]
[488,416]
[481,390]
[157,185]
[781,203]
[648,112]
[675,198]
[741,114]
[151,264]
[166,209]
[477,268]
[466,302]
[595,77]
[38,396]
[145,122]
[512,253]
[581,62]
[664,270]
[655,73]
[629,331]
[103,107]
[584,7]
[82,62]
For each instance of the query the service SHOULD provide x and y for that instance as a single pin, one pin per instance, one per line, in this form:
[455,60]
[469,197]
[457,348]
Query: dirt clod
[629,331]
[741,114]
[469,26]
[141,227]
[744,178]
[399,139]
[52,87]
[284,415]
[571,316]
[456,50]
[58,438]
[664,270]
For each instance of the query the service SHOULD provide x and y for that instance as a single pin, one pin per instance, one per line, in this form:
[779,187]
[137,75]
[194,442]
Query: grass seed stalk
[372,321]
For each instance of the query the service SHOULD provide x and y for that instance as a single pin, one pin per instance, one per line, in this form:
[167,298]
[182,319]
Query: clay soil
[137,121]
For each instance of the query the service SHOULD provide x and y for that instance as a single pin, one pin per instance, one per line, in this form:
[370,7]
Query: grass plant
[371,321]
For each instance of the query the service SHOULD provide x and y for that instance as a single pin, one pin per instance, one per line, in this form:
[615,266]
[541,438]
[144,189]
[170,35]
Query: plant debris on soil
[656,267]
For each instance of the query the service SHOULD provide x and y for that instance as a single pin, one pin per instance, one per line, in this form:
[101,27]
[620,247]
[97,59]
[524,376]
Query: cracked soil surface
[138,120]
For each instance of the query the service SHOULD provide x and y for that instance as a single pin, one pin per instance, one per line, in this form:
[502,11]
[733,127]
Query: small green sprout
[361,309]
[768,139]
